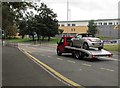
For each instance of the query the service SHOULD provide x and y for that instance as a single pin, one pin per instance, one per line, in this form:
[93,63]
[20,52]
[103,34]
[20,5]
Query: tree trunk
[43,38]
[33,37]
[38,37]
[48,38]
[23,36]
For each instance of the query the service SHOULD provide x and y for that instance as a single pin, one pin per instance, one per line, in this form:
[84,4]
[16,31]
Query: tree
[12,12]
[49,21]
[22,28]
[92,28]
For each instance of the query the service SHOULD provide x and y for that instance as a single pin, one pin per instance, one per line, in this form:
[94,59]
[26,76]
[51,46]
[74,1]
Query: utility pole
[67,16]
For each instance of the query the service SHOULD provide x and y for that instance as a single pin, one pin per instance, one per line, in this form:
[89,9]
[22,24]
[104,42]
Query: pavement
[19,70]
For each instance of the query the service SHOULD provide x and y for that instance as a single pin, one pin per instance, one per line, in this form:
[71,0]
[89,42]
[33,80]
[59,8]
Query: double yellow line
[54,72]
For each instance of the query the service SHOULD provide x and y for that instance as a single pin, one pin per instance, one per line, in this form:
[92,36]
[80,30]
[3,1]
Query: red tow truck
[64,47]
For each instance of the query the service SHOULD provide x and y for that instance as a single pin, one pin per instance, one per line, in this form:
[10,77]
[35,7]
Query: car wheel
[99,48]
[58,52]
[85,46]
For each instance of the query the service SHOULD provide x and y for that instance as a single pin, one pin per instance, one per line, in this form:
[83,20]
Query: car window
[68,40]
[79,36]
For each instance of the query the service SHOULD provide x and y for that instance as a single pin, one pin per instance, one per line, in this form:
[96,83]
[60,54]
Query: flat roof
[91,19]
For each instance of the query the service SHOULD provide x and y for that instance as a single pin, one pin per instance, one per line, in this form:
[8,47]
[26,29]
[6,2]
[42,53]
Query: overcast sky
[84,9]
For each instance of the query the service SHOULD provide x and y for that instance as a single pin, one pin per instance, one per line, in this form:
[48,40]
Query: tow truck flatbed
[91,53]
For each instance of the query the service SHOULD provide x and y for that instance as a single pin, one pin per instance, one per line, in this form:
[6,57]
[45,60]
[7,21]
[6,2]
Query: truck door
[61,46]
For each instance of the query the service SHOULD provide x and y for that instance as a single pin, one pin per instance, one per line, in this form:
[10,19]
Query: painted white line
[51,73]
[59,59]
[106,58]
[107,69]
[74,84]
[49,56]
[80,69]
[42,55]
[87,65]
[71,61]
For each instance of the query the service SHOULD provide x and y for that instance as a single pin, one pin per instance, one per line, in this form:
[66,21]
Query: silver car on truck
[86,41]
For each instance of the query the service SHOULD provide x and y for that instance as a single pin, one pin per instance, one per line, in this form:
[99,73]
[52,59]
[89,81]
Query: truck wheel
[99,48]
[85,46]
[58,52]
[77,54]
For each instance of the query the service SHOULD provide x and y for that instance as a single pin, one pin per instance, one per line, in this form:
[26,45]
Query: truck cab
[64,41]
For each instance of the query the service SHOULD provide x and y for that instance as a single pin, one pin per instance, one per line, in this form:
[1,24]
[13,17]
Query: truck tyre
[58,52]
[85,46]
[99,48]
[76,54]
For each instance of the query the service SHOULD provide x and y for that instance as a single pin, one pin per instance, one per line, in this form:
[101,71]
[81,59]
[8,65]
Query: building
[106,27]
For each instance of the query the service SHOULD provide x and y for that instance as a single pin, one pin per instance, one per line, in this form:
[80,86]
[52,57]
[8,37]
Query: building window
[105,23]
[62,25]
[95,23]
[117,23]
[73,29]
[73,25]
[100,23]
[68,24]
[110,23]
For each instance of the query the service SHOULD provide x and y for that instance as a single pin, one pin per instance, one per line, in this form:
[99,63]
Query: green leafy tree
[12,12]
[49,21]
[92,28]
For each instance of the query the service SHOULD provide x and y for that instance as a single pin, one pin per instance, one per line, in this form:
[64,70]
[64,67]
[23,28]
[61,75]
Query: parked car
[86,41]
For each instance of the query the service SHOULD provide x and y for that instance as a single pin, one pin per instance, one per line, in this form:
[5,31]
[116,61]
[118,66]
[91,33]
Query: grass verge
[112,47]
[29,40]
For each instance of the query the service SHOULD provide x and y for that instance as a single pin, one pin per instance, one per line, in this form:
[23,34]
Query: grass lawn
[19,40]
[112,47]
[29,40]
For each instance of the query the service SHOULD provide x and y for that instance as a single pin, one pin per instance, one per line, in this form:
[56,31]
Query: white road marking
[80,69]
[107,69]
[71,61]
[87,65]
[59,59]
[42,55]
[106,58]
[49,56]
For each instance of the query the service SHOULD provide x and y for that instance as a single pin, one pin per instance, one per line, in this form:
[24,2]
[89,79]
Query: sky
[83,9]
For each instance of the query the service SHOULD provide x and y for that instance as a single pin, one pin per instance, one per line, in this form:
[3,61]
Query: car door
[76,41]
[79,42]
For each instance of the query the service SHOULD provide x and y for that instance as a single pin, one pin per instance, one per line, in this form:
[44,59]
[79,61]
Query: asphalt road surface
[19,70]
[102,72]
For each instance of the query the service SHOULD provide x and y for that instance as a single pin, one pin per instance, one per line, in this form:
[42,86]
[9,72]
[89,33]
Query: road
[19,70]
[100,72]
